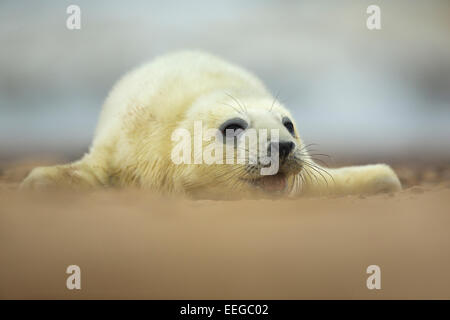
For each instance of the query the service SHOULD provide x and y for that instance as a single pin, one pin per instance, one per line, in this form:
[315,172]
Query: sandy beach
[130,244]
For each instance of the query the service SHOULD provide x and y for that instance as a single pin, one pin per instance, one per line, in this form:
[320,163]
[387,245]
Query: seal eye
[236,125]
[289,125]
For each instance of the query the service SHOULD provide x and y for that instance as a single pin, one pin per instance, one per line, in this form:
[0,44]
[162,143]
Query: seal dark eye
[289,125]
[235,124]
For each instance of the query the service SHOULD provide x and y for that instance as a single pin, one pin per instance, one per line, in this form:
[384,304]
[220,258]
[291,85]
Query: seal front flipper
[76,176]
[366,179]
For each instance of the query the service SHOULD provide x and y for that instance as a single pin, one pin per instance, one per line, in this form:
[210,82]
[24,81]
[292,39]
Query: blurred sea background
[359,94]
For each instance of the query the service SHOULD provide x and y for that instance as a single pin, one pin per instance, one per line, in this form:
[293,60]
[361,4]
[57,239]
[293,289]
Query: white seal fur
[132,144]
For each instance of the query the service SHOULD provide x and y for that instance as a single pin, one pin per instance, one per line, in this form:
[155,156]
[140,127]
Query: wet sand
[130,244]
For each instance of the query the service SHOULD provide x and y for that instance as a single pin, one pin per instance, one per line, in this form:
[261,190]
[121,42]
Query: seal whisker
[274,99]
[318,170]
[229,105]
[237,101]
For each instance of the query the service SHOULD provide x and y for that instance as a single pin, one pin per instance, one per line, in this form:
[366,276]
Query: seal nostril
[284,148]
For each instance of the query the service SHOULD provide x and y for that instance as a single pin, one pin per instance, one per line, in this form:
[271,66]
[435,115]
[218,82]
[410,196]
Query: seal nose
[284,148]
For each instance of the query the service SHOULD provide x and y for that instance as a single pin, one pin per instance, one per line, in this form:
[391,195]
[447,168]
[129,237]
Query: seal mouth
[273,184]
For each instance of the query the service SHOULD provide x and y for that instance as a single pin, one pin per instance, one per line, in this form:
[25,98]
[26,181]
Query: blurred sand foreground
[129,244]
